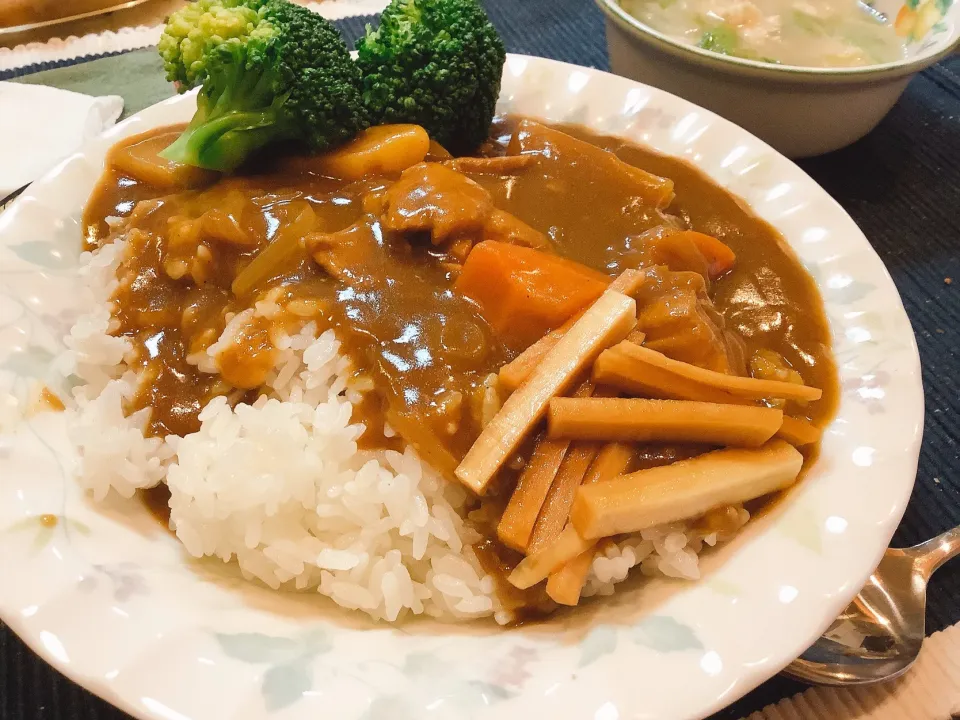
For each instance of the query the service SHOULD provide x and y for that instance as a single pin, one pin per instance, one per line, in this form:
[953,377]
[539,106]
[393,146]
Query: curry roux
[391,299]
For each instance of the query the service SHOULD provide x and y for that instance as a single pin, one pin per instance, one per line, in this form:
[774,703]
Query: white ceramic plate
[109,598]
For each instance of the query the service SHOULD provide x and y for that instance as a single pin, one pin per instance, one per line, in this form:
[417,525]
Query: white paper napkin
[39,126]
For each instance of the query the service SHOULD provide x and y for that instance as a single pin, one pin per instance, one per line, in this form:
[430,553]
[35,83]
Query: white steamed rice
[280,487]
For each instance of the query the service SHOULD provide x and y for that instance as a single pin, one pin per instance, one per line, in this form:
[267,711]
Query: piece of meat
[431,197]
[509,228]
[679,320]
[351,255]
[559,149]
[665,245]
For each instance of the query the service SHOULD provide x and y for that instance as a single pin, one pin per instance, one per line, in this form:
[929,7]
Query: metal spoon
[872,11]
[878,636]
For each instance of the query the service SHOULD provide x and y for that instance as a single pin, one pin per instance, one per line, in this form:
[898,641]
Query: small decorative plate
[108,597]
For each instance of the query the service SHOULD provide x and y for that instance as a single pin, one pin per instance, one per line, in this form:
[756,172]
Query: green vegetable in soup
[803,33]
[724,40]
[721,39]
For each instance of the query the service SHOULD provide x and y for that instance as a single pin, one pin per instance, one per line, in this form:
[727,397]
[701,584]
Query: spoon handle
[933,553]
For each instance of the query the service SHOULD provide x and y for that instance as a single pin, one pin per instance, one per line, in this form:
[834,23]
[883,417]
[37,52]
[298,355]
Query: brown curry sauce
[392,301]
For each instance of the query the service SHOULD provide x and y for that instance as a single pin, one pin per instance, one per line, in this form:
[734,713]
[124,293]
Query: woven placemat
[901,184]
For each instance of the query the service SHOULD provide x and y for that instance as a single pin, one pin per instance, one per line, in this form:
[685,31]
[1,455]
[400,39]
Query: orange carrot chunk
[525,293]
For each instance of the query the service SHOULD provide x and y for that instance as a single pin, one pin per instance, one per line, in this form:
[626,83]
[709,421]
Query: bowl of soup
[807,76]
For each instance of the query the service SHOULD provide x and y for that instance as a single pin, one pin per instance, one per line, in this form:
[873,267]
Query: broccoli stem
[230,125]
[224,142]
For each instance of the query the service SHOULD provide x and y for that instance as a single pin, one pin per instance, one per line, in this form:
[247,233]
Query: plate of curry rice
[608,417]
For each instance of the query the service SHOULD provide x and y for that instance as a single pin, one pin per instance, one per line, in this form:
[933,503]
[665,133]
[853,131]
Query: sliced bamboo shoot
[798,432]
[556,508]
[742,387]
[515,372]
[684,489]
[628,282]
[617,368]
[606,322]
[644,421]
[609,463]
[522,366]
[518,519]
[565,584]
[535,568]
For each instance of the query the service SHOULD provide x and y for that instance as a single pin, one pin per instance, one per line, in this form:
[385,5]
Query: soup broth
[803,33]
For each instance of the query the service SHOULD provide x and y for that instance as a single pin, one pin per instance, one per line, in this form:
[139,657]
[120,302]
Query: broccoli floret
[196,29]
[436,63]
[269,71]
